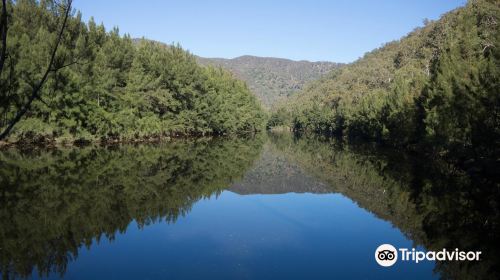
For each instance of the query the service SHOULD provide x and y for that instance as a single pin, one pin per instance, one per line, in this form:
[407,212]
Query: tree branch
[67,65]
[41,100]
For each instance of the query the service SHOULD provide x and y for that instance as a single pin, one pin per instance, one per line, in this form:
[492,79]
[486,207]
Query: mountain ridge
[272,79]
[266,57]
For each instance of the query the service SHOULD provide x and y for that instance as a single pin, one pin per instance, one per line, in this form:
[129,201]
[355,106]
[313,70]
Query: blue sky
[335,30]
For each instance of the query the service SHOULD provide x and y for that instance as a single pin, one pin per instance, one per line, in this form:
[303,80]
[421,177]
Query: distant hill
[272,79]
[273,173]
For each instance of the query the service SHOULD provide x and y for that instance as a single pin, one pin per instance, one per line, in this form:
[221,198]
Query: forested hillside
[272,79]
[102,86]
[437,88]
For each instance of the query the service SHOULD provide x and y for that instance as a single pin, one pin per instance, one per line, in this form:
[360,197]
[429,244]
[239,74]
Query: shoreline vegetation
[54,143]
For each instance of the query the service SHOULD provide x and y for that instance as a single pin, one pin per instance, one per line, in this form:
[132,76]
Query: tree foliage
[272,80]
[436,88]
[110,87]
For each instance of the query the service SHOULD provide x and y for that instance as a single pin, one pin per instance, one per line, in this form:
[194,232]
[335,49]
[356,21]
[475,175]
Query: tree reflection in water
[435,204]
[53,202]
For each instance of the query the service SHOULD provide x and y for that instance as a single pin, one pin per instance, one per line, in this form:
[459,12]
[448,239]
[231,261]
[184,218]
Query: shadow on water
[53,202]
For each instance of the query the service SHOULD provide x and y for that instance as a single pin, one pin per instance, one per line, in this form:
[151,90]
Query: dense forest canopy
[108,87]
[438,87]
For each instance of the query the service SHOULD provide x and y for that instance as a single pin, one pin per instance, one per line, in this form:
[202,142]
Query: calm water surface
[273,207]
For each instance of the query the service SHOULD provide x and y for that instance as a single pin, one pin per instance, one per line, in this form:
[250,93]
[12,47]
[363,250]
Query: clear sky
[331,30]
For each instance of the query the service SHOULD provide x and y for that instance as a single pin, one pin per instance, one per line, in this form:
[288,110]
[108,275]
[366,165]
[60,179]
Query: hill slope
[104,87]
[436,88]
[272,79]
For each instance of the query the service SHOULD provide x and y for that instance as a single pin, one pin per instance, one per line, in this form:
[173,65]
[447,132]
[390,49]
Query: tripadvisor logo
[387,255]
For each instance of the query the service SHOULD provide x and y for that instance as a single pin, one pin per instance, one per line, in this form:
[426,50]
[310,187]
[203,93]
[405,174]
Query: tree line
[436,89]
[78,82]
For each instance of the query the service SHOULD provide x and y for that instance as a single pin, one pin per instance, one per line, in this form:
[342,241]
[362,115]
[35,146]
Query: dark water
[270,207]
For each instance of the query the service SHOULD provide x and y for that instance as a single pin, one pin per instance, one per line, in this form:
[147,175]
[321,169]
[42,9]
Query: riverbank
[64,142]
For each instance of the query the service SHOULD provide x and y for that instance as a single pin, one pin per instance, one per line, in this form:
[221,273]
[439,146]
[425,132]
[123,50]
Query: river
[266,207]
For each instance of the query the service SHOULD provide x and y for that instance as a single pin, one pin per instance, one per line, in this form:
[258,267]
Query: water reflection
[54,201]
[433,203]
[275,173]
